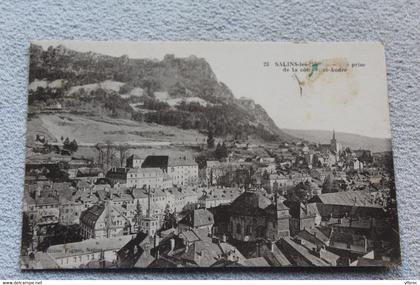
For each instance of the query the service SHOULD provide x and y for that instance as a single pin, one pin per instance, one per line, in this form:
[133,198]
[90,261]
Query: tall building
[334,145]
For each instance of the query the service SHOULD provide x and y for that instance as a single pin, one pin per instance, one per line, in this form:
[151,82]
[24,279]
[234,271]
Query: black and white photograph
[208,154]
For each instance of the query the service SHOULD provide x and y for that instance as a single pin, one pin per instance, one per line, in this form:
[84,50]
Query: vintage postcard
[208,154]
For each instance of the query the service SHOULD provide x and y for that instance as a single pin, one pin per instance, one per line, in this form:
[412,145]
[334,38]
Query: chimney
[271,244]
[199,254]
[365,243]
[156,240]
[172,244]
[157,253]
[258,249]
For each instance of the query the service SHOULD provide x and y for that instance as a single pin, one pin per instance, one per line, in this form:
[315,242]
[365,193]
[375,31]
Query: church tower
[334,145]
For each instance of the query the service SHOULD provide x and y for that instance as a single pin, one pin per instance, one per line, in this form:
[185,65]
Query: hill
[177,92]
[353,141]
[88,131]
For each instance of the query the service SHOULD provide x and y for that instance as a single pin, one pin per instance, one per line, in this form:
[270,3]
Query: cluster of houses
[301,205]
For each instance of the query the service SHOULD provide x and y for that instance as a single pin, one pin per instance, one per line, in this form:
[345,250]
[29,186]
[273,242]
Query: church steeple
[335,146]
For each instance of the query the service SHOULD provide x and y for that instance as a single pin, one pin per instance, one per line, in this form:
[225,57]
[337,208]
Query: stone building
[138,177]
[134,161]
[181,169]
[197,219]
[103,221]
[253,216]
[301,217]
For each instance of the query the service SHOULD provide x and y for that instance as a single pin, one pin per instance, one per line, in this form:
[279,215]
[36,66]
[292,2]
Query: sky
[352,99]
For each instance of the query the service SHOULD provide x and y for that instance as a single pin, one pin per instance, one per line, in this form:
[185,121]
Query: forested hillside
[180,92]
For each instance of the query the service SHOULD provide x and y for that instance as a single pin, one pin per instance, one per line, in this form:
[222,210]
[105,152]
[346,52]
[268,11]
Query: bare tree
[110,154]
[99,147]
[122,151]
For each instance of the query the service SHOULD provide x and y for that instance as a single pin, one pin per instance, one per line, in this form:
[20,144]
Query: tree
[98,147]
[73,145]
[109,154]
[106,154]
[66,143]
[328,184]
[201,161]
[169,220]
[150,84]
[221,151]
[122,151]
[217,151]
[138,216]
[210,139]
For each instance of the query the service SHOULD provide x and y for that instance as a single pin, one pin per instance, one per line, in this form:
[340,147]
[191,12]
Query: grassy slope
[92,130]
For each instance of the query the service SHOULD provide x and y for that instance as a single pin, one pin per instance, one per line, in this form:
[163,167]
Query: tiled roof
[366,262]
[139,193]
[314,236]
[88,246]
[298,210]
[146,171]
[256,262]
[204,254]
[44,261]
[198,218]
[348,198]
[136,156]
[156,161]
[221,194]
[189,236]
[144,260]
[312,209]
[165,161]
[183,161]
[86,171]
[303,252]
[328,256]
[250,203]
[92,214]
[280,257]
[274,256]
[28,199]
[47,201]
[346,238]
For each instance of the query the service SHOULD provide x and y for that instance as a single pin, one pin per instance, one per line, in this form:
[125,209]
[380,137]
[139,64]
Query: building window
[248,230]
[238,228]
